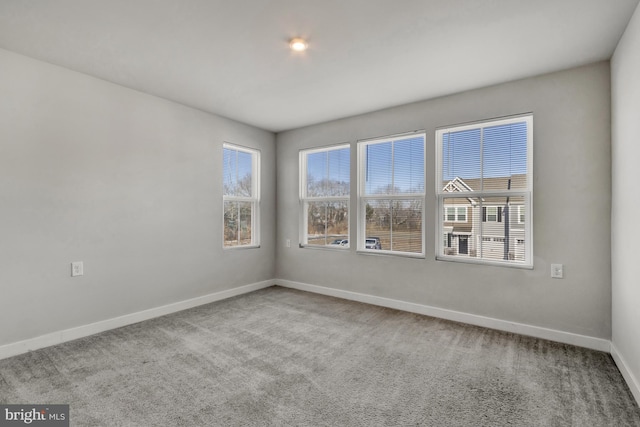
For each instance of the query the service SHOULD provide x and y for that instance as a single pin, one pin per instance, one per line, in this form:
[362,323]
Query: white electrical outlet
[288,243]
[557,271]
[77,269]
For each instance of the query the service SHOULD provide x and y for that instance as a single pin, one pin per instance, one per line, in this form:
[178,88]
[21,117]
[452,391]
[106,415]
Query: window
[324,196]
[486,168]
[455,214]
[461,214]
[391,195]
[241,196]
[491,214]
[451,214]
[521,214]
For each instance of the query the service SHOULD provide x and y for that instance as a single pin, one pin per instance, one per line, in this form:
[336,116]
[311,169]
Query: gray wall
[625,234]
[572,184]
[131,185]
[128,183]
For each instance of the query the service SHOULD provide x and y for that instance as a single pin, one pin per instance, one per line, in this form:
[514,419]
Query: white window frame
[526,193]
[254,199]
[363,197]
[305,199]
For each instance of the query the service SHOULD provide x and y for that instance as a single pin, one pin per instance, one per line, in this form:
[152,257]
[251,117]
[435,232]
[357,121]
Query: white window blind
[241,196]
[324,194]
[486,168]
[391,194]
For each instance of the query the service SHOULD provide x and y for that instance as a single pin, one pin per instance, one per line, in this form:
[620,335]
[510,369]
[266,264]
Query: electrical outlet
[288,243]
[557,271]
[77,269]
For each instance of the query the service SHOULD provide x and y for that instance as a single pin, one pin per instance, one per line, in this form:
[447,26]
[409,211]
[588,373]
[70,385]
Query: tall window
[241,196]
[486,168]
[324,196]
[391,194]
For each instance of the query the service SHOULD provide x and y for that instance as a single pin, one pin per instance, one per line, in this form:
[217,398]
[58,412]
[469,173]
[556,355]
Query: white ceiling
[231,57]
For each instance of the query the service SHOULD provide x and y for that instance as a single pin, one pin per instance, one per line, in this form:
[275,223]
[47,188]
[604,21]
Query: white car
[372,243]
[341,242]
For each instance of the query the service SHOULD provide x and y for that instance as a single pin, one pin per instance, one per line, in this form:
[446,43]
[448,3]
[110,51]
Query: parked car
[341,242]
[372,243]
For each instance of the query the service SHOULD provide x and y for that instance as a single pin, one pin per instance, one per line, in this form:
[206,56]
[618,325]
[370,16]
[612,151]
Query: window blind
[392,194]
[486,167]
[325,188]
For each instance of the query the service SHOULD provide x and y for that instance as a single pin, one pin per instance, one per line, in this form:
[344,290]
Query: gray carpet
[283,357]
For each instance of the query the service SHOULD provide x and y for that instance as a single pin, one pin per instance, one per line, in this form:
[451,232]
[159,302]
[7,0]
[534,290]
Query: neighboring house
[493,225]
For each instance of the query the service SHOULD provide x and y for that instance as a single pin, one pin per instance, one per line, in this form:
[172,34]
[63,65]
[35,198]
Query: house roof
[458,184]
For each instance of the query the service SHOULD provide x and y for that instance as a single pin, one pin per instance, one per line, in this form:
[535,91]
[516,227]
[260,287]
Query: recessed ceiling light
[298,44]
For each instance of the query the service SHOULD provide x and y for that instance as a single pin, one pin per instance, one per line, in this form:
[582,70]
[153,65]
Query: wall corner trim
[628,376]
[31,344]
[457,316]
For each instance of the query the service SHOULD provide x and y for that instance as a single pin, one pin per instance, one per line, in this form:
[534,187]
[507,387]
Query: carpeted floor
[283,357]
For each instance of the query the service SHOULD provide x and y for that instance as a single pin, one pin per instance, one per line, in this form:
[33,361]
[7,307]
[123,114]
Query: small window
[462,214]
[521,215]
[241,196]
[451,214]
[491,214]
[324,194]
[455,214]
[486,169]
[391,195]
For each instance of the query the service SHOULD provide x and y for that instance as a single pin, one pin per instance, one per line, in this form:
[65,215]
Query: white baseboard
[632,381]
[13,349]
[54,338]
[457,316]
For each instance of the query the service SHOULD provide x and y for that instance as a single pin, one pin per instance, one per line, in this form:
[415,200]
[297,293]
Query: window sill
[241,247]
[468,260]
[378,252]
[325,247]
